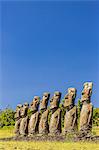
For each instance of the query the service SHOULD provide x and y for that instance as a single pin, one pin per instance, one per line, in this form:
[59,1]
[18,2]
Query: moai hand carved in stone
[55,120]
[43,124]
[70,118]
[18,119]
[87,109]
[33,122]
[24,120]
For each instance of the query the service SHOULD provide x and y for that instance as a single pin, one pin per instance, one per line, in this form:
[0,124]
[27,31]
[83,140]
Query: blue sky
[48,46]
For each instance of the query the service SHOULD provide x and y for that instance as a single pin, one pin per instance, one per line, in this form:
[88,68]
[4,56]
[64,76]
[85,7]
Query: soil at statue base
[61,138]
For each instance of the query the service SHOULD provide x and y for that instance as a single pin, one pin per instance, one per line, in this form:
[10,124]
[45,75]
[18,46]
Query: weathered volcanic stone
[43,123]
[24,120]
[18,119]
[55,121]
[86,111]
[33,122]
[70,118]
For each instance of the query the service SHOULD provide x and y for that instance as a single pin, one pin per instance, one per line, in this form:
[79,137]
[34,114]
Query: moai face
[70,97]
[54,102]
[87,92]
[44,102]
[24,109]
[18,111]
[35,103]
[72,92]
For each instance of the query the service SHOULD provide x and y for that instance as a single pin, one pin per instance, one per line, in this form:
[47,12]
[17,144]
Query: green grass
[48,146]
[7,132]
[95,130]
[29,145]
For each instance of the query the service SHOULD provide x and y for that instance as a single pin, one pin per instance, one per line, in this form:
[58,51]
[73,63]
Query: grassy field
[24,145]
[48,146]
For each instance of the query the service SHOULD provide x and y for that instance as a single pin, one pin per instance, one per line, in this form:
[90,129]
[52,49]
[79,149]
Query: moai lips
[18,111]
[39,123]
[35,103]
[44,101]
[87,91]
[54,102]
[69,97]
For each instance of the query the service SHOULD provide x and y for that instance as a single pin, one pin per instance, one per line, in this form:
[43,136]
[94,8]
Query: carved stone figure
[33,122]
[43,124]
[70,118]
[86,111]
[24,120]
[18,119]
[55,121]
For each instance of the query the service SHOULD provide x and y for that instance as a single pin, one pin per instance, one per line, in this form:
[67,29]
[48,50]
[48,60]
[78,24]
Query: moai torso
[33,122]
[18,119]
[24,120]
[70,118]
[86,111]
[55,120]
[43,124]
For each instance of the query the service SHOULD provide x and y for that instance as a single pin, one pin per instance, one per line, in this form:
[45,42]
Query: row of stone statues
[41,125]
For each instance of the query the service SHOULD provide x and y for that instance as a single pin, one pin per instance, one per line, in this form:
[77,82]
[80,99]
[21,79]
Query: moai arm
[37,116]
[75,117]
[58,120]
[90,113]
[47,112]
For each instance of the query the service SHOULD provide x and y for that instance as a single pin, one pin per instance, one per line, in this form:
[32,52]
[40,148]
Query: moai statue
[70,118]
[18,119]
[24,120]
[33,122]
[55,120]
[43,124]
[87,108]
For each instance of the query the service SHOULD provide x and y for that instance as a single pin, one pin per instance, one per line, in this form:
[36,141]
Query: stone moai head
[44,101]
[54,102]
[24,109]
[87,92]
[35,103]
[18,111]
[19,106]
[70,97]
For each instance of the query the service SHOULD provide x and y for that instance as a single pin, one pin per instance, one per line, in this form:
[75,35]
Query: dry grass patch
[48,145]
[35,145]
